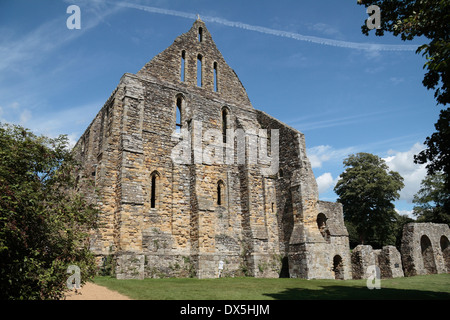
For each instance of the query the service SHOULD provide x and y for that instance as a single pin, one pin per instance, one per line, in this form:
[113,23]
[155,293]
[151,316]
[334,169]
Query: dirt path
[91,291]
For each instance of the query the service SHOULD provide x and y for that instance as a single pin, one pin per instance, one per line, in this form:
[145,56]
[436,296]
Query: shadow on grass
[356,293]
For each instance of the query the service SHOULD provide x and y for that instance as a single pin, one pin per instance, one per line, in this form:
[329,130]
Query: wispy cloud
[329,122]
[274,32]
[17,51]
[319,154]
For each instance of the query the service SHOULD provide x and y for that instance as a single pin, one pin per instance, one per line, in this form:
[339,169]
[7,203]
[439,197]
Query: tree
[367,190]
[421,18]
[427,19]
[44,223]
[431,200]
[437,156]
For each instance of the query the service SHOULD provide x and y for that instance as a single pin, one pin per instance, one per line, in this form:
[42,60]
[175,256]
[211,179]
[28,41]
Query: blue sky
[304,62]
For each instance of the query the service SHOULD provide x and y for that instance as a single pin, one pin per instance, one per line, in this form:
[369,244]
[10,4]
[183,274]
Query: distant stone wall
[387,259]
[425,248]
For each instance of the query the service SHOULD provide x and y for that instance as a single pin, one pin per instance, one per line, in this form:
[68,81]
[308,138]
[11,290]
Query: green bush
[44,223]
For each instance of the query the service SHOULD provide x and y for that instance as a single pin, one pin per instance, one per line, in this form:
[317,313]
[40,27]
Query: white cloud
[325,182]
[17,51]
[408,213]
[25,115]
[413,174]
[396,80]
[319,154]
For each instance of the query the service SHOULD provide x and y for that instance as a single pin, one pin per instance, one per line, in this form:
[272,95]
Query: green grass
[418,287]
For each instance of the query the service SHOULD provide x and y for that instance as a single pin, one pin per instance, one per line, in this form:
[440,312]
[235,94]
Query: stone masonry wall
[425,248]
[166,217]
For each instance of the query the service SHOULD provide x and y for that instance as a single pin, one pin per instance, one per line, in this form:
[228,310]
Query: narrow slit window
[200,34]
[220,193]
[153,192]
[224,125]
[199,70]
[183,65]
[178,120]
[216,87]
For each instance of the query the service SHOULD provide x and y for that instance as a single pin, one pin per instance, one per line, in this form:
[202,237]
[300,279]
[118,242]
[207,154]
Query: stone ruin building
[191,177]
[192,180]
[425,249]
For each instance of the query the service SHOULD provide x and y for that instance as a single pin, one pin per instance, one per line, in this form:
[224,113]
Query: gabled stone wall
[175,202]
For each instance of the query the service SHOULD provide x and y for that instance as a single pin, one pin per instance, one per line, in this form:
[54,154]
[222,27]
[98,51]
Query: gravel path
[91,291]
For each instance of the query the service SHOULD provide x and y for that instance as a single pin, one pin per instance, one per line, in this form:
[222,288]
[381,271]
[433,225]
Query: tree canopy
[431,199]
[44,224]
[427,20]
[410,19]
[367,190]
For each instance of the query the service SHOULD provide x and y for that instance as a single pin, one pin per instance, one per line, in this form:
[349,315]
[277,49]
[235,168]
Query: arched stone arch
[322,225]
[221,193]
[338,267]
[155,188]
[429,263]
[225,120]
[445,248]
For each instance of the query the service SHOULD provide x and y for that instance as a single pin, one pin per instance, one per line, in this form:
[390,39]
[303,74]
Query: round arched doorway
[427,255]
[338,267]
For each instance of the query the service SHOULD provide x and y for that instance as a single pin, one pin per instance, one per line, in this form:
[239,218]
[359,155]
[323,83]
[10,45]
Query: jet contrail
[274,32]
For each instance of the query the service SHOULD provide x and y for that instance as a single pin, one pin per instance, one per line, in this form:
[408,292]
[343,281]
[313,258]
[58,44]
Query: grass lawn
[418,287]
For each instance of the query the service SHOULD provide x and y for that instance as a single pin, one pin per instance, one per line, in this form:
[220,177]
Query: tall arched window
[200,34]
[216,84]
[183,65]
[224,124]
[154,180]
[178,116]
[220,193]
[322,225]
[199,70]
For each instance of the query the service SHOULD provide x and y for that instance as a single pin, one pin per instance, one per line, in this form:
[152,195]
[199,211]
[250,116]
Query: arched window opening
[224,124]
[153,189]
[178,121]
[200,34]
[183,65]
[199,70]
[281,173]
[220,193]
[216,85]
[322,225]
[445,248]
[427,254]
[338,267]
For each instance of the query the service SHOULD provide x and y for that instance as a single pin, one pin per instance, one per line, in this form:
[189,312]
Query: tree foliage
[437,155]
[367,190]
[421,18]
[44,224]
[426,19]
[431,199]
